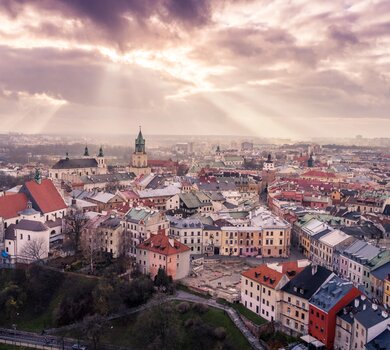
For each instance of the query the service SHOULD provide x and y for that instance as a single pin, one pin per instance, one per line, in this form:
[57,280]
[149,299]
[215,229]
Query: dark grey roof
[30,225]
[210,227]
[10,232]
[111,222]
[305,284]
[380,342]
[76,163]
[382,272]
[364,313]
[321,234]
[103,178]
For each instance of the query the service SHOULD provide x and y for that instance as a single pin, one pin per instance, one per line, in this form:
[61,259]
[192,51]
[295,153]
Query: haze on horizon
[297,69]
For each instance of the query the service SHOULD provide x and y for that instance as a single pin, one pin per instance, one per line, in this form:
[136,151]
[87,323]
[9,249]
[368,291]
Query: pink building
[160,251]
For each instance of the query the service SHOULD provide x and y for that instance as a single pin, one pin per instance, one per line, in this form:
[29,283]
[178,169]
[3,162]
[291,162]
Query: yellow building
[386,291]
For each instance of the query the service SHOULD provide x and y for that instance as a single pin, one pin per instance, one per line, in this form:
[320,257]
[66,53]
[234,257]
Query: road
[47,342]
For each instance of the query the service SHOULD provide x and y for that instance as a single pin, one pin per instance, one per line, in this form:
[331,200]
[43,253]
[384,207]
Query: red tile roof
[162,244]
[317,173]
[270,277]
[11,205]
[45,195]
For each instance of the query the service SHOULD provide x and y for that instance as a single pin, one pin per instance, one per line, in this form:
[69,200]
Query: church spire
[101,154]
[140,142]
[86,152]
[37,176]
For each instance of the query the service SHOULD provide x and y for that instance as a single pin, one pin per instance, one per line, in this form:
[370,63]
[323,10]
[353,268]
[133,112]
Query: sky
[265,68]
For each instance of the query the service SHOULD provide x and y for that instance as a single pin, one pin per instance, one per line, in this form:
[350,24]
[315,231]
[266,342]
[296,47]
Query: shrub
[220,333]
[188,323]
[200,308]
[183,307]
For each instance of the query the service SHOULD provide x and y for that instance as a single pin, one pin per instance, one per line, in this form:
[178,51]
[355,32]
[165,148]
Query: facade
[386,291]
[106,201]
[265,235]
[294,313]
[140,223]
[261,287]
[27,241]
[65,168]
[160,251]
[139,159]
[188,232]
[268,165]
[358,323]
[190,203]
[324,306]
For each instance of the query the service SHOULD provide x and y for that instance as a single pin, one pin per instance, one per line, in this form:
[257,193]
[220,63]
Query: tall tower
[139,159]
[100,158]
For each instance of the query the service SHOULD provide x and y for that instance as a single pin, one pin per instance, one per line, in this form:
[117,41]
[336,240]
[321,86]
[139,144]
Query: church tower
[139,159]
[100,158]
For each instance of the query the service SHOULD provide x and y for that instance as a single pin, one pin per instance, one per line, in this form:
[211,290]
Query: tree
[162,280]
[35,249]
[75,223]
[106,299]
[93,327]
[12,299]
[159,328]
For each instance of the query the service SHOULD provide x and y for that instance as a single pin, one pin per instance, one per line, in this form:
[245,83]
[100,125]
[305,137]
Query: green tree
[159,328]
[162,280]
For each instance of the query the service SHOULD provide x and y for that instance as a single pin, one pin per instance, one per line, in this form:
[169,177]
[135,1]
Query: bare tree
[93,245]
[75,222]
[35,249]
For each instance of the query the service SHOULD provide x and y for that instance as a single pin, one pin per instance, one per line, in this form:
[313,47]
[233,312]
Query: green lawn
[12,347]
[248,314]
[120,331]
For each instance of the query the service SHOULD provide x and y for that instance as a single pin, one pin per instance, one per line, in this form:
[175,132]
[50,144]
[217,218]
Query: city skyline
[257,69]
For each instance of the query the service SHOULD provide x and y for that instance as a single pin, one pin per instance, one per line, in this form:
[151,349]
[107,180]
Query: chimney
[363,297]
[385,314]
[374,306]
[313,269]
[364,306]
[357,302]
[73,201]
[171,242]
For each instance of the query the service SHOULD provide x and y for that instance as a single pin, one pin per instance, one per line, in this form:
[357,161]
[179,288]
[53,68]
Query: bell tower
[139,159]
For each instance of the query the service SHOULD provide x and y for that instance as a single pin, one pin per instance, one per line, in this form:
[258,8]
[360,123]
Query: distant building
[139,159]
[79,166]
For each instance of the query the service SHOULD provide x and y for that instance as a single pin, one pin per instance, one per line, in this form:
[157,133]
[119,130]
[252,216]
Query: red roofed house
[160,251]
[11,206]
[45,198]
[320,175]
[261,285]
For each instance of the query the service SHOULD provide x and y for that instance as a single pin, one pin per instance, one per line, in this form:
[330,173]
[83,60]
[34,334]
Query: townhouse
[358,323]
[294,311]
[162,252]
[324,305]
[261,287]
[353,259]
[262,234]
[187,231]
[327,246]
[140,223]
[377,278]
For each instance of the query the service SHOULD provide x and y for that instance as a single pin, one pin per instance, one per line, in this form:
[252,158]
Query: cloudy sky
[284,68]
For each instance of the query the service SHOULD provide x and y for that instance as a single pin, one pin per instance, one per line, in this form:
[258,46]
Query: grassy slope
[29,321]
